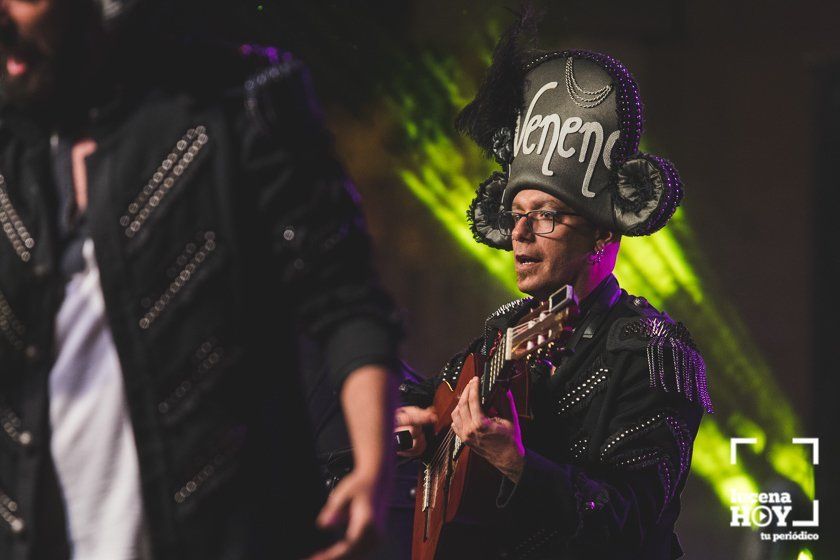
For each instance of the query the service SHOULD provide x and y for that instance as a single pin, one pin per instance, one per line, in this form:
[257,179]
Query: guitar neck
[493,371]
[536,334]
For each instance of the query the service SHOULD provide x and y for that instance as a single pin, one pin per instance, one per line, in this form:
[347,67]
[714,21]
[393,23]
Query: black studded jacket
[223,228]
[609,447]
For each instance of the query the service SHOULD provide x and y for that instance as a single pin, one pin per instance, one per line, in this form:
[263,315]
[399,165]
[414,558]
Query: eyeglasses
[538,221]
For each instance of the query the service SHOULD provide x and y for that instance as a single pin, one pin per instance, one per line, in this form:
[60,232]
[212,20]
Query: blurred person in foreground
[592,466]
[173,217]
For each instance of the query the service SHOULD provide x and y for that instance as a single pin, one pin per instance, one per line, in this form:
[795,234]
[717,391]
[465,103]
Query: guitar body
[455,513]
[456,495]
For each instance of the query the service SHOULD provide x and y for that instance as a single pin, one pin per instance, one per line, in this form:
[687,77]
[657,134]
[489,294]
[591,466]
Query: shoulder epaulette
[280,96]
[674,363]
[499,319]
[510,308]
[452,370]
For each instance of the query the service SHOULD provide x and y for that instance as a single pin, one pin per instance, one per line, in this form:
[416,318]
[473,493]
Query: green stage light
[711,461]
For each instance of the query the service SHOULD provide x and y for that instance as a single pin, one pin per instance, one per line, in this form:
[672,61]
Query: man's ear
[604,237]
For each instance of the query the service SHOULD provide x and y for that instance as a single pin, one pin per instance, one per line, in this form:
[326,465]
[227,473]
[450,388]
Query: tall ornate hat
[567,123]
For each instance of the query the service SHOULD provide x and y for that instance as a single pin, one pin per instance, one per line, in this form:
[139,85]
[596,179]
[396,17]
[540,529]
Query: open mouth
[526,259]
[16,59]
[15,66]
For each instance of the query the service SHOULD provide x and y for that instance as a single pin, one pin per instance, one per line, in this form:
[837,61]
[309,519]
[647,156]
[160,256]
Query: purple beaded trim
[668,485]
[638,459]
[628,103]
[671,198]
[684,443]
[630,113]
[678,429]
[645,457]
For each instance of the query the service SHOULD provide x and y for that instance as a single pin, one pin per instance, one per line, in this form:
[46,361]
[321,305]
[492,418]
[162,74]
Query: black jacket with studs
[223,227]
[608,449]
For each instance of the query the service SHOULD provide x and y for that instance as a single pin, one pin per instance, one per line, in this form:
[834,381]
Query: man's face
[29,41]
[547,262]
[47,48]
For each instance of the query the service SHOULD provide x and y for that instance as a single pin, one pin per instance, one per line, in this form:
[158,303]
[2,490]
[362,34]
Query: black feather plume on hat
[500,95]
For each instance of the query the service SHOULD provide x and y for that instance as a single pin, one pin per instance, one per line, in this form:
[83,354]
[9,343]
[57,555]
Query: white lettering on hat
[531,124]
[592,131]
[571,126]
[609,146]
[588,130]
[549,119]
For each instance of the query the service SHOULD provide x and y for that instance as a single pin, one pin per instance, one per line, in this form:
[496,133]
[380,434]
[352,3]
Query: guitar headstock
[545,329]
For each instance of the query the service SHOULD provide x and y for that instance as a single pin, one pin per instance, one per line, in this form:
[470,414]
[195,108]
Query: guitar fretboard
[487,383]
[494,368]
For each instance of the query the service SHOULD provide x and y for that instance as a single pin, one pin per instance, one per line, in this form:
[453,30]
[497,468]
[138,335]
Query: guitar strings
[496,364]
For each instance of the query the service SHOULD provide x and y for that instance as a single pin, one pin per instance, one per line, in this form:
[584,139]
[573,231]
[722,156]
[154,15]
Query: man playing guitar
[592,454]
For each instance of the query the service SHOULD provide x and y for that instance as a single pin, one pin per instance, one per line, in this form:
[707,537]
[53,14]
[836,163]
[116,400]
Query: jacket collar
[602,298]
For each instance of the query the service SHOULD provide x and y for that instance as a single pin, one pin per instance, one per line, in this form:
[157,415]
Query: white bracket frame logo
[815,460]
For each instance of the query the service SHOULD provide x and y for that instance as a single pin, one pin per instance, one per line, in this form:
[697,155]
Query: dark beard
[50,92]
[35,90]
[54,86]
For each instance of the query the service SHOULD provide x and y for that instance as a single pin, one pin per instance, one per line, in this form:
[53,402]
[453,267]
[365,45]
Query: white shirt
[92,439]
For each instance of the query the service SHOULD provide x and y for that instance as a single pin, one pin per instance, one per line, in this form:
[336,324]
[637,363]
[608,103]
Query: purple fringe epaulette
[670,344]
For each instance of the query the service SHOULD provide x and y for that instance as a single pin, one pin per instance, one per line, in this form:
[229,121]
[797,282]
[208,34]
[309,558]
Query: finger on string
[464,407]
[474,404]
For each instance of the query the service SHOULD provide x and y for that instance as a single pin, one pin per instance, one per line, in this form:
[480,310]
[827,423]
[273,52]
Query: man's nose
[521,230]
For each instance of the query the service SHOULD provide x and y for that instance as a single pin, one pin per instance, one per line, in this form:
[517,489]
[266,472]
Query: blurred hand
[357,502]
[413,419]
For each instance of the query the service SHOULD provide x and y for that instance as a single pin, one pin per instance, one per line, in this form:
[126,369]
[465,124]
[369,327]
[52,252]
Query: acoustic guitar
[456,488]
